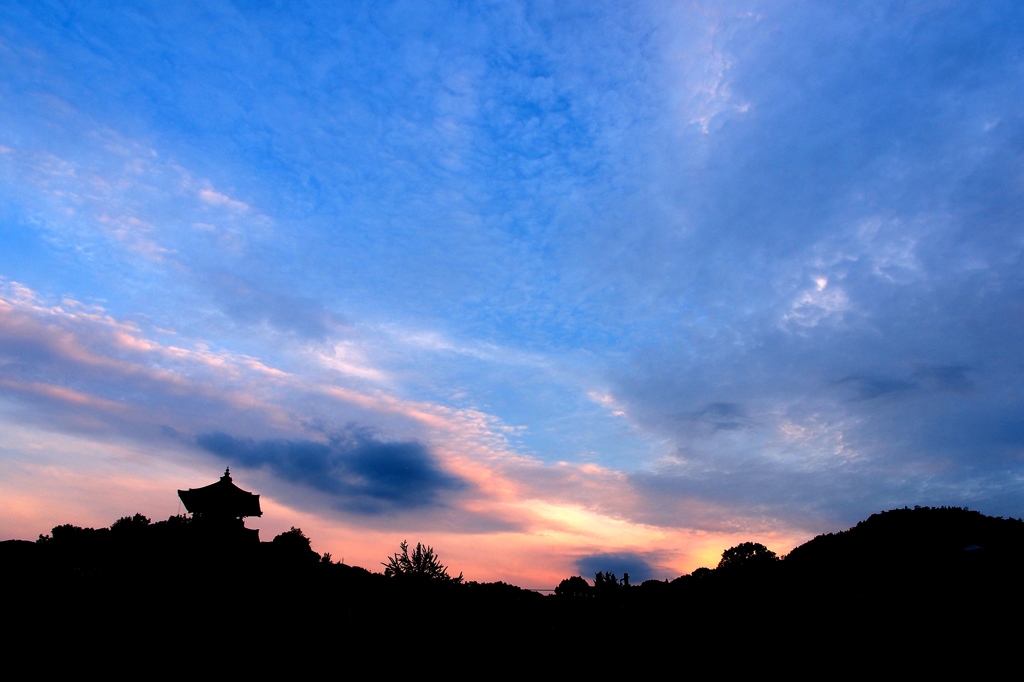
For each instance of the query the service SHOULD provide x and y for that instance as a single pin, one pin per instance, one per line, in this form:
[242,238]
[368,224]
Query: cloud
[924,378]
[945,377]
[825,330]
[362,473]
[867,387]
[614,271]
[722,416]
[641,566]
[214,198]
[249,301]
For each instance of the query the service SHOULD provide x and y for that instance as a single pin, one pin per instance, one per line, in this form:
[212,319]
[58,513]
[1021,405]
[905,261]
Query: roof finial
[227,473]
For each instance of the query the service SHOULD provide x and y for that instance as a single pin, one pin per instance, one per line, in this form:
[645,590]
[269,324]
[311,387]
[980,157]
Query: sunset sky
[554,287]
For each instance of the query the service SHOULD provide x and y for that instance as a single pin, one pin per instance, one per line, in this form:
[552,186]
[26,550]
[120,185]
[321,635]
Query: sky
[553,287]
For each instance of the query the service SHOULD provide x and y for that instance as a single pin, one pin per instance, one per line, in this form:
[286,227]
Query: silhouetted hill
[926,558]
[923,535]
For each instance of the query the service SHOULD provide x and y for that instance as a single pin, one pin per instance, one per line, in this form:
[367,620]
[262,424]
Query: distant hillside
[918,536]
[925,561]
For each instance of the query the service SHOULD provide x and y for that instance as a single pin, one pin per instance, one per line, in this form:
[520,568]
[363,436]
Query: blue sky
[539,284]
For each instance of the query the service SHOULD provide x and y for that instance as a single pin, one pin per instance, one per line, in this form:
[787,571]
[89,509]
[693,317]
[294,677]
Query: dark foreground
[912,589]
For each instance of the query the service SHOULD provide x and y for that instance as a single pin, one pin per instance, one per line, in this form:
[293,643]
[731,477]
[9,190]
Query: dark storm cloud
[362,473]
[639,566]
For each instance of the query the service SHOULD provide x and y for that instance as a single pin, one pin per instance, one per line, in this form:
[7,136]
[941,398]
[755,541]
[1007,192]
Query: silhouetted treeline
[948,572]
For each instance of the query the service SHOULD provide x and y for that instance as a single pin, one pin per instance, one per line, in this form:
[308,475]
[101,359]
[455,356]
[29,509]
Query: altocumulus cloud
[363,473]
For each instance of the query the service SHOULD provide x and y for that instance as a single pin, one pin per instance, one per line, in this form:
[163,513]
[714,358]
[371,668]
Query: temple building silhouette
[221,507]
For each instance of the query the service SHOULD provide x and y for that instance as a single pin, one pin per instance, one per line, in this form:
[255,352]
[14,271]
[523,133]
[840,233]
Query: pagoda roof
[222,498]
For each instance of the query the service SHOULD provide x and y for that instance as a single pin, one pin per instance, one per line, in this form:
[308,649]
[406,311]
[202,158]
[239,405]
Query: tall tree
[422,563]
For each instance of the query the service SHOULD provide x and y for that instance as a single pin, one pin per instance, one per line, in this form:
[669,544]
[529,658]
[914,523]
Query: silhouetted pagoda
[221,506]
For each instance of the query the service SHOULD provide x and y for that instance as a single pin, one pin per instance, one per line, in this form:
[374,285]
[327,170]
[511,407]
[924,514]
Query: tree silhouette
[575,586]
[423,563]
[605,582]
[747,554]
[128,524]
[294,545]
